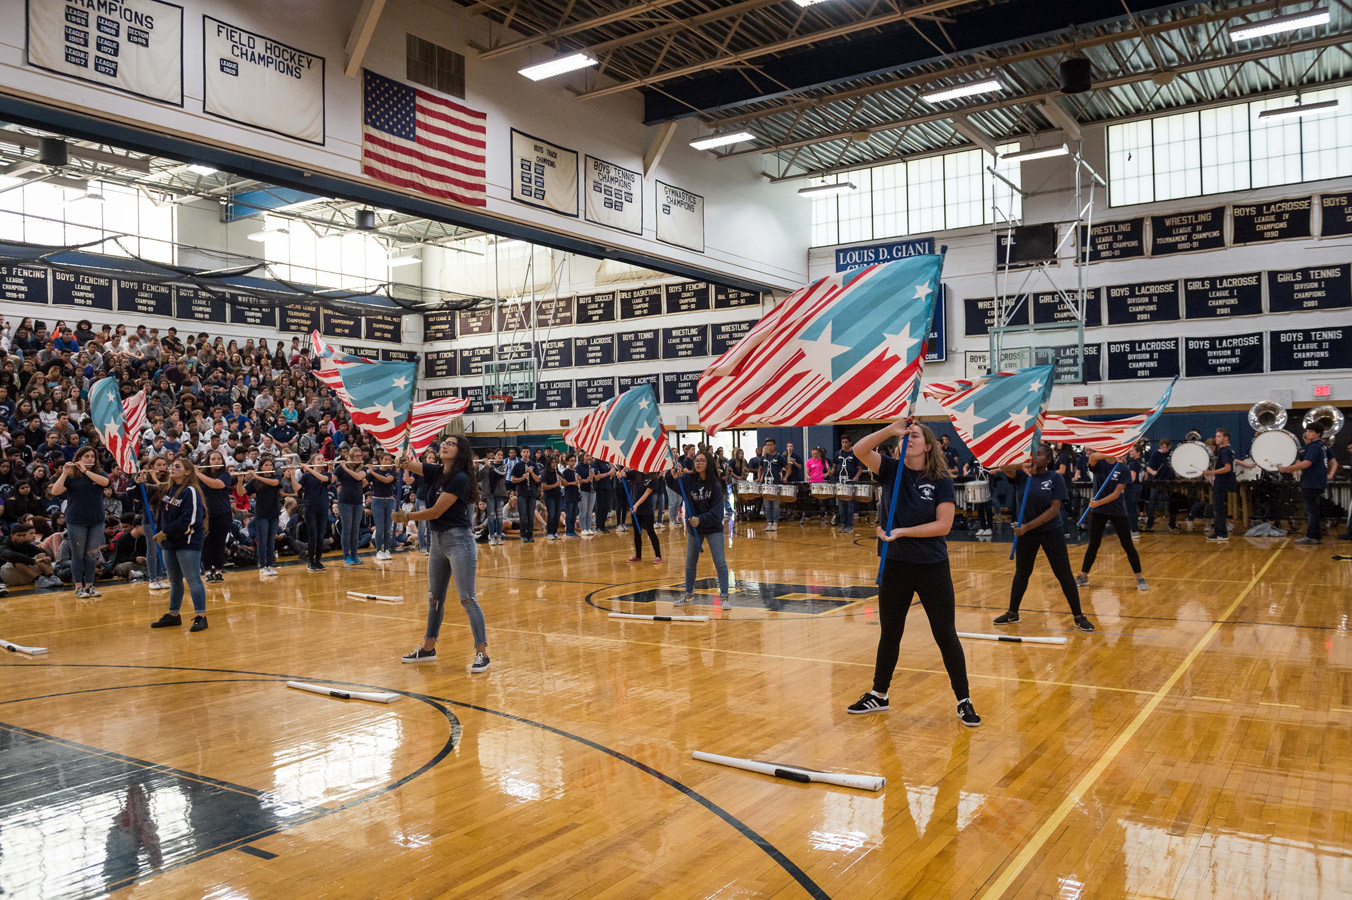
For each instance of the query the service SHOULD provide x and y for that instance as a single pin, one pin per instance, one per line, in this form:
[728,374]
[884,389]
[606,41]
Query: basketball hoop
[500,401]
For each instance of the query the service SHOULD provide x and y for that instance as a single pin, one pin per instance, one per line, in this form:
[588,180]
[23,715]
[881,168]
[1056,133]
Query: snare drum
[843,489]
[822,489]
[1274,448]
[1249,472]
[978,491]
[770,491]
[862,491]
[1190,459]
[747,489]
[787,492]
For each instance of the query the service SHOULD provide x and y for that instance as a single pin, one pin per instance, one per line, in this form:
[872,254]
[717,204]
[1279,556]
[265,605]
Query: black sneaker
[869,703]
[315,567]
[1083,623]
[1009,618]
[199,623]
[420,656]
[1081,579]
[480,663]
[967,714]
[168,620]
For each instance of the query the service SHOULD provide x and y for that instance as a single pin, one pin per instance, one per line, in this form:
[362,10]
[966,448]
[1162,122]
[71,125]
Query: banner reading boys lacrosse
[613,195]
[680,217]
[132,45]
[255,80]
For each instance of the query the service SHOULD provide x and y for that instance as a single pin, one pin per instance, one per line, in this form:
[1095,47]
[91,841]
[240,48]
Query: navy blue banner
[595,308]
[556,354]
[1316,287]
[142,298]
[685,342]
[1310,349]
[252,315]
[1134,360]
[638,346]
[1149,301]
[597,350]
[723,335]
[82,290]
[438,326]
[873,254]
[24,284]
[198,306]
[1223,296]
[638,303]
[680,387]
[1234,354]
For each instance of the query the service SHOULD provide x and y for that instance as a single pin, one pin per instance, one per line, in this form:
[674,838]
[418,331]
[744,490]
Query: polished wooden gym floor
[1199,745]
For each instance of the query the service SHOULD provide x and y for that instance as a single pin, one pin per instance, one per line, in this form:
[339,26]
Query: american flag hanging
[998,417]
[626,430]
[118,423]
[850,346]
[416,139]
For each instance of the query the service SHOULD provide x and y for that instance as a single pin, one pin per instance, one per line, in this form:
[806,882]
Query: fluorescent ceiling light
[1279,25]
[559,65]
[407,259]
[808,2]
[722,140]
[1295,112]
[970,89]
[89,195]
[198,169]
[267,232]
[1042,153]
[827,190]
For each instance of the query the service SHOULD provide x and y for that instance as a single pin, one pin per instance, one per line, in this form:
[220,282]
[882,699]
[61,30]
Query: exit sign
[1322,390]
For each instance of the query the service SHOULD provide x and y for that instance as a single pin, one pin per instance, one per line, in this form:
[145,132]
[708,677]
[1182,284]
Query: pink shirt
[816,470]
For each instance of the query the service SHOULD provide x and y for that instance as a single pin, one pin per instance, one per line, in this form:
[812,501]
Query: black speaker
[1076,77]
[53,152]
[366,219]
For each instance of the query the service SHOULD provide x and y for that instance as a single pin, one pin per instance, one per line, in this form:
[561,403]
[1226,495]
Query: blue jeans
[771,510]
[570,515]
[588,522]
[525,511]
[185,564]
[424,533]
[495,506]
[1133,498]
[349,528]
[85,541]
[553,503]
[673,505]
[693,540]
[846,512]
[266,529]
[382,510]
[454,555]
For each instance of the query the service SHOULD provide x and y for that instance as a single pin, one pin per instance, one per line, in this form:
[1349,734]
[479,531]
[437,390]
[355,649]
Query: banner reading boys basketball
[133,45]
[613,195]
[255,80]
[680,217]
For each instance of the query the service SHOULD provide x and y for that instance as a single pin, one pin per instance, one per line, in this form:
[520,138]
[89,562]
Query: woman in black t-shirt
[266,487]
[452,493]
[215,480]
[642,493]
[916,558]
[1042,527]
[82,481]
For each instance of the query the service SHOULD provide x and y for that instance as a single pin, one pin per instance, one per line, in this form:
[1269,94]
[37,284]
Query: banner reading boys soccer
[255,80]
[132,45]
[680,217]
[613,195]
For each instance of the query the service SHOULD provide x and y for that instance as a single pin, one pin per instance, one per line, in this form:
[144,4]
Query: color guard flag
[119,424]
[999,417]
[1111,437]
[849,346]
[625,430]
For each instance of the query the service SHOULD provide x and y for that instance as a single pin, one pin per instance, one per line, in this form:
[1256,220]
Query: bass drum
[1190,459]
[1247,470]
[1274,448]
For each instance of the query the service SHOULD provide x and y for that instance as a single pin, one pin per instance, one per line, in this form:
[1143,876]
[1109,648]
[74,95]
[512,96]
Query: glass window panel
[1008,202]
[1225,149]
[11,215]
[889,200]
[963,200]
[43,205]
[856,209]
[825,216]
[156,228]
[925,193]
[1131,172]
[1326,140]
[1177,156]
[1275,145]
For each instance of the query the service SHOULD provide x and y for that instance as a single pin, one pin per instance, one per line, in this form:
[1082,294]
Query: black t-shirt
[84,501]
[918,500]
[638,483]
[515,471]
[1314,477]
[314,492]
[1107,476]
[1159,461]
[847,463]
[217,499]
[457,516]
[549,477]
[1042,491]
[570,491]
[349,485]
[601,467]
[584,471]
[382,489]
[267,498]
[1225,456]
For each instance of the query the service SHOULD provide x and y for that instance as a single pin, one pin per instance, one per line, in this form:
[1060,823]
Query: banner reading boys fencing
[613,195]
[132,45]
[255,80]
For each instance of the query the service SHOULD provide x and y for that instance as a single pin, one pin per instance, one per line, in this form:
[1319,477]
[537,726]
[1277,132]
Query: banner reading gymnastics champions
[255,80]
[131,45]
[680,217]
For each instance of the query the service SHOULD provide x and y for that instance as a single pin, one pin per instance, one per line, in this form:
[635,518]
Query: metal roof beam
[577,27]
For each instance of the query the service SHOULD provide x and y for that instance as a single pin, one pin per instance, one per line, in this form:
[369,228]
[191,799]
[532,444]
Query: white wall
[1050,183]
[754,230]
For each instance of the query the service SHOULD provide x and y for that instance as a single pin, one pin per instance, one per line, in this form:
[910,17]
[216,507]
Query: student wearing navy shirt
[1136,466]
[847,470]
[520,477]
[214,480]
[384,481]
[314,497]
[552,490]
[572,495]
[605,493]
[1314,468]
[181,535]
[452,494]
[82,481]
[703,493]
[1159,479]
[770,468]
[266,487]
[915,558]
[587,525]
[642,493]
[1109,506]
[1041,527]
[350,477]
[1222,483]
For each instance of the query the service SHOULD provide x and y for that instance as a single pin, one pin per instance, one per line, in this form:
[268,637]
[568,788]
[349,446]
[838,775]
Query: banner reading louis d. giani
[680,217]
[258,81]
[131,45]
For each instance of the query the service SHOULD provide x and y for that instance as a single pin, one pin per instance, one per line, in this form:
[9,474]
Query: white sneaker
[159,585]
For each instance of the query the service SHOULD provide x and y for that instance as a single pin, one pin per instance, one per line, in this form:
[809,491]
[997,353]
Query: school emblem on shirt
[1046,485]
[927,491]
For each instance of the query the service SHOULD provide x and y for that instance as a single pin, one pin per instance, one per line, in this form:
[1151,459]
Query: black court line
[781,859]
[788,617]
[254,851]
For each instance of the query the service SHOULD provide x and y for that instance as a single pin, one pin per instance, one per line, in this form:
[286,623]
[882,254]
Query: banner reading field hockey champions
[680,217]
[612,195]
[255,80]
[132,45]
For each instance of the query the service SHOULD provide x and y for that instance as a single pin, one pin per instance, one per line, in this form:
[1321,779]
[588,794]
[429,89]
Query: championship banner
[680,217]
[131,45]
[257,81]
[614,195]
[544,174]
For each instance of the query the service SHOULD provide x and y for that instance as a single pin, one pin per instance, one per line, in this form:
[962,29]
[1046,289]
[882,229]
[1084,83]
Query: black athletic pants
[213,549]
[1098,522]
[642,524]
[1161,490]
[316,529]
[1313,529]
[604,497]
[1220,512]
[1053,544]
[525,510]
[934,583]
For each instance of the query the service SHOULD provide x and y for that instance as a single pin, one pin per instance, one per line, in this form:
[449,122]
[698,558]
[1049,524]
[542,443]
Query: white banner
[254,80]
[614,195]
[544,174]
[680,217]
[132,45]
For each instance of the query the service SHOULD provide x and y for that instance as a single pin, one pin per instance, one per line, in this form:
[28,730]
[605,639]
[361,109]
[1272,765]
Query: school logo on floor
[775,596]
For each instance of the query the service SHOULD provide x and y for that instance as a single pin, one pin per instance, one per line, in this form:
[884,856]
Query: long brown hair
[936,467]
[191,480]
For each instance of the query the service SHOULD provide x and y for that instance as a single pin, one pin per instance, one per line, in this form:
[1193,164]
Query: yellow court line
[808,659]
[1282,705]
[1035,844]
[1211,699]
[1340,709]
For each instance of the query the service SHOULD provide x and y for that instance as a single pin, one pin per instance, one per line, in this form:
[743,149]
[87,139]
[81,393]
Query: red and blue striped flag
[625,430]
[118,422]
[1000,417]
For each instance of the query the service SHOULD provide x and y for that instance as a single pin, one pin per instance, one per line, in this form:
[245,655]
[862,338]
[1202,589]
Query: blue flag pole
[1019,521]
[1107,481]
[629,501]
[892,507]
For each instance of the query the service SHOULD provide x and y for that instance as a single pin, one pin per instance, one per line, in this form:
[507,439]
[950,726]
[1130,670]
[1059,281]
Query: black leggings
[316,525]
[213,549]
[1053,544]
[642,524]
[934,583]
[1098,522]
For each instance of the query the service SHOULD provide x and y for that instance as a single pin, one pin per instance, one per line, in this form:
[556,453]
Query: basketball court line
[1035,843]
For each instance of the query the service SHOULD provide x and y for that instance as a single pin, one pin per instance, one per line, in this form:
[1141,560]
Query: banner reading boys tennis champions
[254,80]
[132,45]
[613,195]
[680,217]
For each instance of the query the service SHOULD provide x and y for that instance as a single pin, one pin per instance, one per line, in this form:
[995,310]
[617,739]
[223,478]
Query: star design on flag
[401,382]
[965,417]
[647,431]
[612,445]
[922,291]
[819,353]
[644,404]
[901,343]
